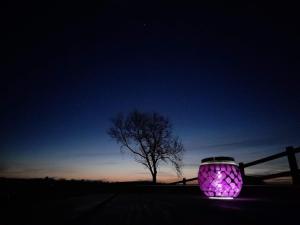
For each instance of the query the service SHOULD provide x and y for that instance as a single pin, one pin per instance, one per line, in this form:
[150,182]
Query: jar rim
[218,159]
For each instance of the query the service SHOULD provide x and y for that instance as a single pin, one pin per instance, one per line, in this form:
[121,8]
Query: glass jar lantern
[220,178]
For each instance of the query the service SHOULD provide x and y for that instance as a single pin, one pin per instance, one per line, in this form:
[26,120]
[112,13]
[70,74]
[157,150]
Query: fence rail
[290,152]
[276,175]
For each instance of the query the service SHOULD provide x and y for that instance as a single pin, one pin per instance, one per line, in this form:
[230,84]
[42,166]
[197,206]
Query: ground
[163,205]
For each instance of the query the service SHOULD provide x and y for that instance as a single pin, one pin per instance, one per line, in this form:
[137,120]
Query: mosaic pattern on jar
[220,180]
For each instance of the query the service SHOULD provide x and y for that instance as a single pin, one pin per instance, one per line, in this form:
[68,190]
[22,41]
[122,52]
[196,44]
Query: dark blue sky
[226,75]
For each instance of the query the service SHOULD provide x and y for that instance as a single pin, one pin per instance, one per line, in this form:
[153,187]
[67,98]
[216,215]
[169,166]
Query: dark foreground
[160,205]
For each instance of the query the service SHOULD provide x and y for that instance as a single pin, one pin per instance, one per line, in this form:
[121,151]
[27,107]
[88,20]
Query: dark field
[146,204]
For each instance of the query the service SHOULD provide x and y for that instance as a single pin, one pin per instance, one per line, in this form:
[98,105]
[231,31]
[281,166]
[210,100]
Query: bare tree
[148,137]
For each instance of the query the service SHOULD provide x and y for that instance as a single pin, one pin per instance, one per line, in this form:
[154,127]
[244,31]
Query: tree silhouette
[149,139]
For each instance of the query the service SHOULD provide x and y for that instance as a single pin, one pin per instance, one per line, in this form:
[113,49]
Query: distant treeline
[40,189]
[47,188]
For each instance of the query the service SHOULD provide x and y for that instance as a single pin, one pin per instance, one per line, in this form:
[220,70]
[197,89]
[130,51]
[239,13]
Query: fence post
[242,169]
[184,181]
[293,165]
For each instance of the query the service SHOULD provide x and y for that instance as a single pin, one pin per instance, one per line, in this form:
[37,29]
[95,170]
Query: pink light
[220,177]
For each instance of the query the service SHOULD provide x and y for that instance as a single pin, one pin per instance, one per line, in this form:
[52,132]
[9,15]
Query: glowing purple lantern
[220,177]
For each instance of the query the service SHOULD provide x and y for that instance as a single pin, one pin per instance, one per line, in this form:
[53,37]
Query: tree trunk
[154,178]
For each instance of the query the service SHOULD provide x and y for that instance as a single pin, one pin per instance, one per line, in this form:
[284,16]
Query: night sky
[226,75]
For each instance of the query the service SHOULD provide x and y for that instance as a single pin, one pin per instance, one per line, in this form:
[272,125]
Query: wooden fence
[290,152]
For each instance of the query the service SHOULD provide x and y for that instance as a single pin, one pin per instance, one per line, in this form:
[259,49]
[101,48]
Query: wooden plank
[191,179]
[186,180]
[266,159]
[176,182]
[293,165]
[276,175]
